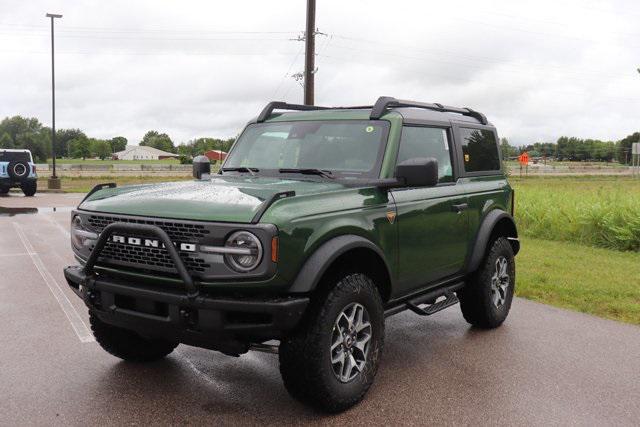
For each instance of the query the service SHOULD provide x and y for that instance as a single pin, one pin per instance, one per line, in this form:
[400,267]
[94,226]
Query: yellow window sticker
[466,157]
[369,129]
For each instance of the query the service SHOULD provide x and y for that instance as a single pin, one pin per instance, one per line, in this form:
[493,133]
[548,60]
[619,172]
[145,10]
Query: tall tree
[63,136]
[100,148]
[27,133]
[6,141]
[118,143]
[161,141]
[79,148]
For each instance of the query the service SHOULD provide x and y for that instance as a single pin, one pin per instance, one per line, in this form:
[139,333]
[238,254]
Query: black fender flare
[484,234]
[317,264]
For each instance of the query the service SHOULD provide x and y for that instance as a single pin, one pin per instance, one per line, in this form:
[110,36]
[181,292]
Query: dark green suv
[321,223]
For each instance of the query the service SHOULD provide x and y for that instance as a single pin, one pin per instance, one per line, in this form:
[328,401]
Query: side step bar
[449,300]
[425,304]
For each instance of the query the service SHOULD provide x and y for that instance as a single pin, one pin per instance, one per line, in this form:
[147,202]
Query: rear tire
[331,361]
[486,299]
[126,344]
[29,188]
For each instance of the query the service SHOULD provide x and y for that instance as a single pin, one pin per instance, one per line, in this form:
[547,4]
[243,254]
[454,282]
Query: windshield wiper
[252,171]
[310,171]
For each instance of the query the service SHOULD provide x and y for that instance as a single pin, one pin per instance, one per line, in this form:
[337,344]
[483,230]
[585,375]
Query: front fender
[495,218]
[317,264]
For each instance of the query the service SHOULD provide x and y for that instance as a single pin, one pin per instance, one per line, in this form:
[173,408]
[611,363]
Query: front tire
[332,359]
[29,188]
[486,299]
[126,344]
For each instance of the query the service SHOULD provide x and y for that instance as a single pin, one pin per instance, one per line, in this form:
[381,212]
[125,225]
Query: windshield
[15,156]
[346,148]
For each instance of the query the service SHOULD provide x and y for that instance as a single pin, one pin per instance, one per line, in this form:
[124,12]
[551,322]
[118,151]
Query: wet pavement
[544,366]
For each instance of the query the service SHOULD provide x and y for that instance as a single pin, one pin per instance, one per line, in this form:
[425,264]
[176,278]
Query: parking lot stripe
[58,226]
[79,327]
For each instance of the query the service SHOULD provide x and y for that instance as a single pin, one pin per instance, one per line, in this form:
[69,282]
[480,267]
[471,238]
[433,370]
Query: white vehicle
[17,170]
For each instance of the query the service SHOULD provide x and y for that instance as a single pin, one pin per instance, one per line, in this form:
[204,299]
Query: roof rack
[382,104]
[280,105]
[385,102]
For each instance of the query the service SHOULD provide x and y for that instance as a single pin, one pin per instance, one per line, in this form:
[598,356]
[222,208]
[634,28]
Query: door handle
[459,208]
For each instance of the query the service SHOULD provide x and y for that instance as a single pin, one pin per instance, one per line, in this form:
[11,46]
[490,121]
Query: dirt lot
[544,366]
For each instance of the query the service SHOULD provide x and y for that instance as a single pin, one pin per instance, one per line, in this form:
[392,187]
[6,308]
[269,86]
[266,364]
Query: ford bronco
[321,223]
[17,170]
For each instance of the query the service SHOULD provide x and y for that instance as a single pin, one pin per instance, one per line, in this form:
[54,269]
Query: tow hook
[189,316]
[94,298]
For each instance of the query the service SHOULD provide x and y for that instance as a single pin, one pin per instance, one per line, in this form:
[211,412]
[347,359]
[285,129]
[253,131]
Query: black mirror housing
[418,172]
[201,167]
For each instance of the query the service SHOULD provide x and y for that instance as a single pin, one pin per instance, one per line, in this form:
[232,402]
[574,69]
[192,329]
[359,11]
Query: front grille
[182,232]
[150,258]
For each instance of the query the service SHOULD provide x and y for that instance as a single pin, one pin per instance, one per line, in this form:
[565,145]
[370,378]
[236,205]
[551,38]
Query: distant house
[140,152]
[216,155]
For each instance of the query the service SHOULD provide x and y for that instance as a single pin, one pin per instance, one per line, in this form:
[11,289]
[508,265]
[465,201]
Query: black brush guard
[145,230]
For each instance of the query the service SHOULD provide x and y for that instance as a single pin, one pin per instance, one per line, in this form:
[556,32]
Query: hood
[226,199]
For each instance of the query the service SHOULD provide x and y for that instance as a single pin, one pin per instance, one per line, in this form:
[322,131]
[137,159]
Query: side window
[427,142]
[480,150]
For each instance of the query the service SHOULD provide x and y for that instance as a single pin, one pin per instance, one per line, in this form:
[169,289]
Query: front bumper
[224,324]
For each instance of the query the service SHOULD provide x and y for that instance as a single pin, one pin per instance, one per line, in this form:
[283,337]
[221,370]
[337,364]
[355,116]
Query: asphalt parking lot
[544,366]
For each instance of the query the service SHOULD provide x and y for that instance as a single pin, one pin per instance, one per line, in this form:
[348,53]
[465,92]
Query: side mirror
[418,172]
[201,167]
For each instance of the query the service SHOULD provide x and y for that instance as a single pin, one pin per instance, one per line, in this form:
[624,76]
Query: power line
[295,58]
[147,53]
[43,28]
[434,51]
[343,59]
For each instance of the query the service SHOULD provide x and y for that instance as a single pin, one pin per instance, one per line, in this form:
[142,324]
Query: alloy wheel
[500,282]
[351,338]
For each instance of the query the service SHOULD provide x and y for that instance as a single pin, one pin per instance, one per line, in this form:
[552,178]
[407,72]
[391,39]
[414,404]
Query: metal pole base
[53,184]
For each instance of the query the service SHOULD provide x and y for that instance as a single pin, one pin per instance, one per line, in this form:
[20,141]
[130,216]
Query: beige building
[140,152]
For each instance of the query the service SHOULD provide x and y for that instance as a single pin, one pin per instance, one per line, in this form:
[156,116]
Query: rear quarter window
[479,150]
[6,156]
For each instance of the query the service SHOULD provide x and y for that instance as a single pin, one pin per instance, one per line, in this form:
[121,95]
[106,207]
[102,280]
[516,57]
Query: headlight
[243,251]
[79,235]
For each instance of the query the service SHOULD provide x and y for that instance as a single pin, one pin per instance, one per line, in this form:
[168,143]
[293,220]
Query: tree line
[575,149]
[29,133]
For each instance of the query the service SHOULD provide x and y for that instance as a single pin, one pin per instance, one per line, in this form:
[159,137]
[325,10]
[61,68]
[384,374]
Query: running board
[426,304]
[449,300]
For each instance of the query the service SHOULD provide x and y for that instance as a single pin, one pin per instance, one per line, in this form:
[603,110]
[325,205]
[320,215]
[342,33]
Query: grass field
[597,281]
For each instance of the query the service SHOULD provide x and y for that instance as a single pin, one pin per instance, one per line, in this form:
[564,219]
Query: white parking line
[79,327]
[58,226]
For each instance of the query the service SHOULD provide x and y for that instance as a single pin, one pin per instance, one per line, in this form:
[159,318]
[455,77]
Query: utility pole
[54,181]
[310,47]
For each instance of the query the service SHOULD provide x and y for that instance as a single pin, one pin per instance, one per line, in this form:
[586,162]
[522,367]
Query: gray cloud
[196,68]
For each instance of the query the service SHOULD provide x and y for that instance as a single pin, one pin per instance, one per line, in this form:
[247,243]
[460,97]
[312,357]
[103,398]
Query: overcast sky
[538,70]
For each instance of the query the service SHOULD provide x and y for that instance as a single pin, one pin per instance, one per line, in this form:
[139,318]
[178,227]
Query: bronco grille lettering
[151,243]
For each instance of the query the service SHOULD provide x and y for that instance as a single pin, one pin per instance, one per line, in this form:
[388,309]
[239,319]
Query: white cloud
[538,70]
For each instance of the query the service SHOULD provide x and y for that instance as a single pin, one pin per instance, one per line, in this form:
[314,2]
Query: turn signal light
[274,249]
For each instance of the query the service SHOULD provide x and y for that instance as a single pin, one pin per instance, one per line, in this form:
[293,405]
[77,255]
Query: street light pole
[310,54]
[54,181]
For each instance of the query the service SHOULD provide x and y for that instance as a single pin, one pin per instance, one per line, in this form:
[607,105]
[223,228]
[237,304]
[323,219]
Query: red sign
[523,159]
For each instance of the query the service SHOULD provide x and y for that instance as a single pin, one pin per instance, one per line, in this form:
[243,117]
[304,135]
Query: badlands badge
[391,216]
